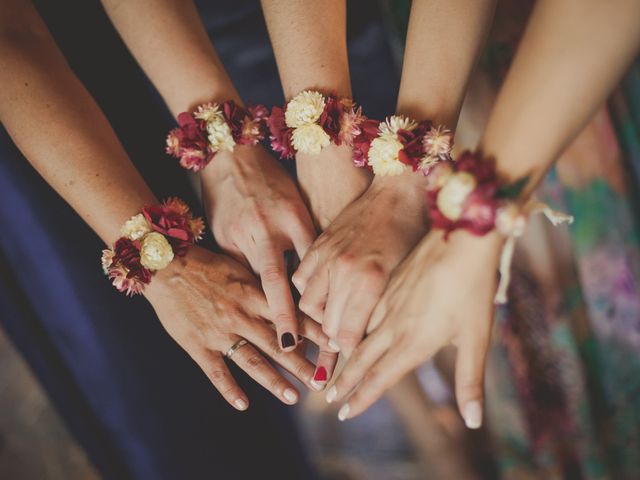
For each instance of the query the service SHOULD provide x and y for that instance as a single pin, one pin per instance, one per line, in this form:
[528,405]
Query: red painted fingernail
[321,374]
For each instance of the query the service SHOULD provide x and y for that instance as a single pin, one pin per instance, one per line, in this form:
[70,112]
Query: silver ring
[235,347]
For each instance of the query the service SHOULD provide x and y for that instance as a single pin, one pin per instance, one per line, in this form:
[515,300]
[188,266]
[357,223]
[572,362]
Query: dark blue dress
[132,398]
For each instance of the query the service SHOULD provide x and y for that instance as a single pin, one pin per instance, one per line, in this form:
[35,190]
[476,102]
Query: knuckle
[217,375]
[469,389]
[271,274]
[255,361]
[349,338]
[374,272]
[345,260]
[276,383]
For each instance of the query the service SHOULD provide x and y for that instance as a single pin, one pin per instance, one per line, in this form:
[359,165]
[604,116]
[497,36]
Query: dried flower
[310,139]
[135,228]
[383,156]
[304,109]
[155,251]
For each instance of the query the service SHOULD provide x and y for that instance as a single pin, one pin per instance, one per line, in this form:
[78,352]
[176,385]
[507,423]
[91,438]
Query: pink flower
[126,272]
[362,142]
[172,224]
[280,134]
[352,118]
[253,126]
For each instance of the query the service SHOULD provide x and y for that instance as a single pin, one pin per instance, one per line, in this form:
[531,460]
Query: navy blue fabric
[133,399]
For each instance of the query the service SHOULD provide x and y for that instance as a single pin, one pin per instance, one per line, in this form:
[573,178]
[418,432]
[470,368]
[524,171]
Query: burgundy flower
[127,255]
[330,118]
[413,150]
[174,225]
[280,134]
[362,142]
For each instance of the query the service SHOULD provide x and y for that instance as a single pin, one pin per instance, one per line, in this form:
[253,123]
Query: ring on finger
[235,347]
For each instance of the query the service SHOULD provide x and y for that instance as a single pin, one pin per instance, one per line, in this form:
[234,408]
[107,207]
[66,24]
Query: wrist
[407,190]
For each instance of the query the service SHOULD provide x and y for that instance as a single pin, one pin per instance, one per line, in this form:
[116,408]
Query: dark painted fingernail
[300,338]
[287,340]
[321,374]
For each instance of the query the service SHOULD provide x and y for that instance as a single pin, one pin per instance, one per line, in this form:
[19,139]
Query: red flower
[280,134]
[413,150]
[331,117]
[189,143]
[127,255]
[362,142]
[172,224]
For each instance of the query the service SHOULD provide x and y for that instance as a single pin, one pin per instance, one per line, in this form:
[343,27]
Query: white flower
[437,142]
[209,112]
[389,128]
[135,228]
[220,137]
[453,194]
[510,221]
[427,163]
[310,139]
[155,251]
[383,156]
[304,109]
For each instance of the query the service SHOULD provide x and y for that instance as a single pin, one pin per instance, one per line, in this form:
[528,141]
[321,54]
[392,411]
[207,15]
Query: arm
[570,58]
[41,102]
[254,209]
[310,43]
[378,230]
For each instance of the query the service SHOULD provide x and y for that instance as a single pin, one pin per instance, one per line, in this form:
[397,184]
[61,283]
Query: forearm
[443,41]
[310,44]
[569,60]
[169,41]
[62,132]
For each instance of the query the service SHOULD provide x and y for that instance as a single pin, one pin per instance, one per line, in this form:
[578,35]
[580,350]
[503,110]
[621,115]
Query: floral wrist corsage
[212,128]
[312,120]
[150,240]
[401,143]
[466,194]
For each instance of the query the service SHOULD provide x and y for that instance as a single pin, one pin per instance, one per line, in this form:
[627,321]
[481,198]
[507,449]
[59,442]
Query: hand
[441,294]
[207,302]
[256,214]
[330,182]
[346,270]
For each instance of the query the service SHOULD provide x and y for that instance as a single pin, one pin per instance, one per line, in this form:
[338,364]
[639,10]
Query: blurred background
[563,377]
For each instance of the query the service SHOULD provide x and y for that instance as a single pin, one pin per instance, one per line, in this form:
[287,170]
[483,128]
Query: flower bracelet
[212,128]
[400,143]
[310,121]
[466,194]
[150,241]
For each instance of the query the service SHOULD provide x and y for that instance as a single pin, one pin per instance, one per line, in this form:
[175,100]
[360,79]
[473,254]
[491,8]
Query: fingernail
[343,413]
[240,404]
[287,340]
[290,395]
[473,414]
[319,379]
[300,338]
[331,394]
[333,346]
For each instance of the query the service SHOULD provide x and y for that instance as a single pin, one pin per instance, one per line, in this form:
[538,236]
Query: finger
[253,362]
[338,293]
[218,373]
[327,358]
[356,315]
[273,276]
[312,301]
[302,235]
[262,336]
[387,371]
[308,265]
[364,356]
[470,365]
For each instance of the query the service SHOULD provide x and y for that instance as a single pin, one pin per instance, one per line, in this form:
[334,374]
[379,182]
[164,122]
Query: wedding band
[235,347]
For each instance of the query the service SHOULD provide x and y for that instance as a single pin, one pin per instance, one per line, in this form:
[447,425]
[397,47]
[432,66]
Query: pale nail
[343,413]
[317,386]
[240,404]
[473,414]
[333,345]
[290,395]
[331,394]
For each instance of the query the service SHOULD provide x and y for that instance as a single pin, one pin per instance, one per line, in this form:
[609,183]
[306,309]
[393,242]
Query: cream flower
[135,228]
[304,109]
[209,112]
[107,259]
[155,251]
[427,163]
[220,137]
[510,220]
[437,142]
[389,128]
[310,139]
[383,156]
[453,194]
